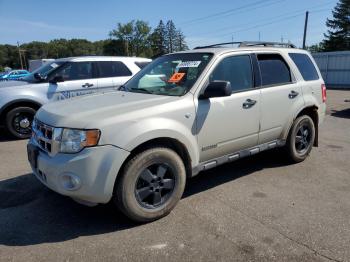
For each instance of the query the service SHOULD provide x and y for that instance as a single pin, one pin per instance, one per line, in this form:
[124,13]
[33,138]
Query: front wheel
[19,122]
[301,139]
[151,184]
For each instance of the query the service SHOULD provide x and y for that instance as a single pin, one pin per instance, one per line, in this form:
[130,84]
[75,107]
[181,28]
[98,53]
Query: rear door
[79,78]
[281,96]
[112,74]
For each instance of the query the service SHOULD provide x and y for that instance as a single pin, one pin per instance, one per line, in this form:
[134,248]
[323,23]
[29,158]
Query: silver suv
[61,79]
[183,113]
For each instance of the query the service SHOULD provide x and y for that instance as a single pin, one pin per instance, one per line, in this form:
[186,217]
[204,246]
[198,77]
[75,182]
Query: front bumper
[94,169]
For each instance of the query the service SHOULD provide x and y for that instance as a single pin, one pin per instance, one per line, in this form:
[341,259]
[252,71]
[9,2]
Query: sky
[203,22]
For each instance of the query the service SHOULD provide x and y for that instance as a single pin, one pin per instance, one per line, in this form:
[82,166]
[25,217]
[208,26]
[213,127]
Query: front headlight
[74,140]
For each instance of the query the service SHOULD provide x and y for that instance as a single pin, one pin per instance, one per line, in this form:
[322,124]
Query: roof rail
[249,43]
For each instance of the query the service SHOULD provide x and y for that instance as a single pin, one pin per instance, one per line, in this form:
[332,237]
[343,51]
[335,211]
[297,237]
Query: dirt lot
[258,209]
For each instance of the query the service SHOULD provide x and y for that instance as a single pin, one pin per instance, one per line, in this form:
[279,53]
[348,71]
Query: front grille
[43,136]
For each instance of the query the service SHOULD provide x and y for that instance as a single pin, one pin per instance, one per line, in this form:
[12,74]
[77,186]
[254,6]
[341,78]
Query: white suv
[184,113]
[61,79]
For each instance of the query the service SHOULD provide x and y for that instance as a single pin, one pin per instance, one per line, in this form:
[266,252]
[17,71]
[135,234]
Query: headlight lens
[74,140]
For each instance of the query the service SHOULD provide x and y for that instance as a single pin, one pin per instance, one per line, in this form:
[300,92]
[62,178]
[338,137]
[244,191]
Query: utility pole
[20,56]
[305,28]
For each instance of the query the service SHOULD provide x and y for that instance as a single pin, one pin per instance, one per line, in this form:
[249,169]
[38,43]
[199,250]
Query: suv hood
[98,110]
[10,83]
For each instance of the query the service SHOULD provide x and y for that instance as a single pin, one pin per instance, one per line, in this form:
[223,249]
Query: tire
[153,175]
[18,122]
[300,139]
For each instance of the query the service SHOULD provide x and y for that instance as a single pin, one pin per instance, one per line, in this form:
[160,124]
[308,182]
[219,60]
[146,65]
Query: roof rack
[249,43]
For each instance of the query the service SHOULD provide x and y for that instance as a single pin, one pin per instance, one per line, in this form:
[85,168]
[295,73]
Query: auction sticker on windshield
[189,64]
[175,78]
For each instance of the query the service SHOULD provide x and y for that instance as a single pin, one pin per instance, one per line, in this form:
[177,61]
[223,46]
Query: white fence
[335,68]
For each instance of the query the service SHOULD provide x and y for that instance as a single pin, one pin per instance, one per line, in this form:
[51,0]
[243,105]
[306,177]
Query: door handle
[249,103]
[87,85]
[293,94]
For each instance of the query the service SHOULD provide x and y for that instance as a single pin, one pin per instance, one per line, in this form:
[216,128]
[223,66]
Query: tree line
[135,38]
[337,37]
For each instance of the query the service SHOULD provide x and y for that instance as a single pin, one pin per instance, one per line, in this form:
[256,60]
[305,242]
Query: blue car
[14,75]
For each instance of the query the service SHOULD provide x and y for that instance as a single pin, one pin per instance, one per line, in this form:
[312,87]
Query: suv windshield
[171,75]
[43,71]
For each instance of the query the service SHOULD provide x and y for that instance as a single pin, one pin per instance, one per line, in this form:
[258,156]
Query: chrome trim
[237,155]
[46,137]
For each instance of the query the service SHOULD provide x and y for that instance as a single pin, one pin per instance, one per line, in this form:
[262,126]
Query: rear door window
[113,69]
[274,70]
[305,66]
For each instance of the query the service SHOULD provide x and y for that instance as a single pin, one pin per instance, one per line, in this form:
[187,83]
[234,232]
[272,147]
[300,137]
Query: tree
[338,36]
[170,36]
[114,47]
[315,48]
[157,39]
[180,43]
[141,36]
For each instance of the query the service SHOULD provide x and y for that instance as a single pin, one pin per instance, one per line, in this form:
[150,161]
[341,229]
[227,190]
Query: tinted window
[274,70]
[237,70]
[141,64]
[113,69]
[305,66]
[74,71]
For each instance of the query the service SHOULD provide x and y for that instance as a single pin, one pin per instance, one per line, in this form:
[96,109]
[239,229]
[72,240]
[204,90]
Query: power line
[268,19]
[258,25]
[226,13]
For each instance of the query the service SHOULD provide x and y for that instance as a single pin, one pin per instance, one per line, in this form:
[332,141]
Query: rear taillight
[324,93]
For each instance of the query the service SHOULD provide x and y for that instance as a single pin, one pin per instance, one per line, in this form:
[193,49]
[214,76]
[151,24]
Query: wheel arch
[312,112]
[166,142]
[18,103]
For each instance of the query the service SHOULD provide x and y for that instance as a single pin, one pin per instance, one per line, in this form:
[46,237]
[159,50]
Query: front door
[228,124]
[78,79]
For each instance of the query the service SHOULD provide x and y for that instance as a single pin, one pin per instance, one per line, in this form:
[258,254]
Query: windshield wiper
[142,90]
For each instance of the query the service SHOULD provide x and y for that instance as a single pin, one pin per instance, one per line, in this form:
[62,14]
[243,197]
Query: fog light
[70,182]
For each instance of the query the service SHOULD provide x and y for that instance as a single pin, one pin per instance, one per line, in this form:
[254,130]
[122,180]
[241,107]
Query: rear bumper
[94,170]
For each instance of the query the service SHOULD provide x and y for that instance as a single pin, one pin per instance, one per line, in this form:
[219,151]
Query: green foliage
[315,48]
[135,38]
[140,41]
[338,36]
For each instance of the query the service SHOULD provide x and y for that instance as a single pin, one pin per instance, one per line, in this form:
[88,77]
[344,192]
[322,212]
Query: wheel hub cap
[155,185]
[302,139]
[24,123]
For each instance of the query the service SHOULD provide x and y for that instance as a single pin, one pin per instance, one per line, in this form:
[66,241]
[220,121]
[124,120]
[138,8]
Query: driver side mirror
[56,79]
[217,89]
[39,77]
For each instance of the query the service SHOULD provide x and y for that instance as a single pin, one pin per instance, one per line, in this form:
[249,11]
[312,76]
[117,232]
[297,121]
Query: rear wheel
[301,138]
[151,184]
[19,122]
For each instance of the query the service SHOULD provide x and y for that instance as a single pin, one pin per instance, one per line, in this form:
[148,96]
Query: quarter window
[235,69]
[274,70]
[305,66]
[113,69]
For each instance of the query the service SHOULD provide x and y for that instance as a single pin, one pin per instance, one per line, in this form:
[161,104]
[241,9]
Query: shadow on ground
[32,214]
[341,113]
[4,137]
